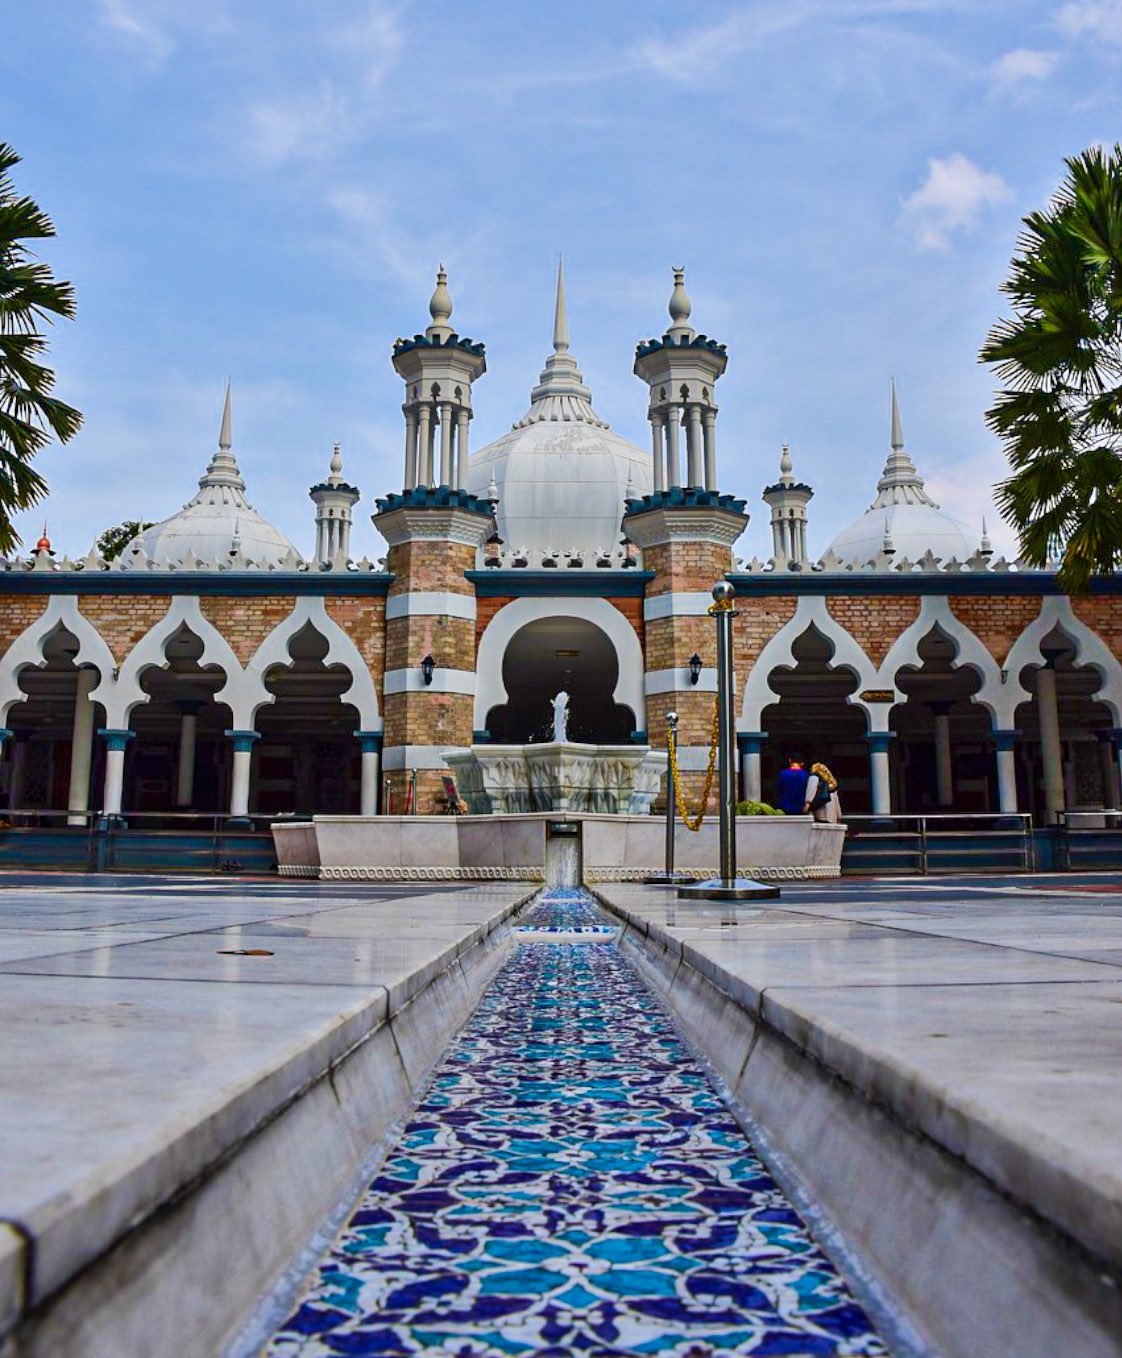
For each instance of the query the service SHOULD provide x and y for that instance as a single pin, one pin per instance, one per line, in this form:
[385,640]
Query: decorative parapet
[685,497]
[885,564]
[668,341]
[136,562]
[452,341]
[434,514]
[553,558]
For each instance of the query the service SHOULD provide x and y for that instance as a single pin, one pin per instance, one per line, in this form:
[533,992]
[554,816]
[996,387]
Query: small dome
[218,523]
[561,474]
[903,517]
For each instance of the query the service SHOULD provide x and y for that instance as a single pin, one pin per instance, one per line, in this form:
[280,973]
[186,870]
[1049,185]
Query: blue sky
[262,188]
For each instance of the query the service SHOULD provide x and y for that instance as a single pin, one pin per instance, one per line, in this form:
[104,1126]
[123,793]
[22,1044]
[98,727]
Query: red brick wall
[996,622]
[874,623]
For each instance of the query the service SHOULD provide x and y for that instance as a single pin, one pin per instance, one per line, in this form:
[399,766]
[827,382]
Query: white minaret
[438,369]
[334,500]
[788,500]
[681,370]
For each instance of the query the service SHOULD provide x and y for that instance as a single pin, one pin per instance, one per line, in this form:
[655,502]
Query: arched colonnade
[940,723]
[179,718]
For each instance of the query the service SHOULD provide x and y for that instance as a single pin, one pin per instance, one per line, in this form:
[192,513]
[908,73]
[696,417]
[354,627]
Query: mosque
[214,669]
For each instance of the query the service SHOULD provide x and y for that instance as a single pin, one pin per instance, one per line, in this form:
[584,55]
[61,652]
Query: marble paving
[571,1183]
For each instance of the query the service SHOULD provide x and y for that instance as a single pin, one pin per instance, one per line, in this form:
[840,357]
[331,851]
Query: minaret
[681,370]
[434,529]
[788,500]
[334,500]
[438,369]
[686,530]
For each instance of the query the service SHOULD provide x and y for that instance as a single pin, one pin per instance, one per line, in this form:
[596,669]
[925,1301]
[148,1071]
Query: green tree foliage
[1059,360]
[29,296]
[114,540]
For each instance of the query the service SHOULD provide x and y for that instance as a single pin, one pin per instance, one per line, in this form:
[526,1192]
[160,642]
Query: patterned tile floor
[572,1184]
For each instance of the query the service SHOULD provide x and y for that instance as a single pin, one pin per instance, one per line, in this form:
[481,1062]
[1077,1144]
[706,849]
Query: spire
[785,476]
[225,439]
[561,393]
[440,306]
[900,482]
[560,319]
[680,306]
[336,466]
[223,470]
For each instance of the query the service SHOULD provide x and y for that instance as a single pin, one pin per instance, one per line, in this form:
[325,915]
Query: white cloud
[375,43]
[308,127]
[1100,20]
[951,199]
[964,489]
[152,28]
[1021,67]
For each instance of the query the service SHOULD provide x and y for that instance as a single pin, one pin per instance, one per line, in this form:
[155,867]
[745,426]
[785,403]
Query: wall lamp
[428,665]
[694,663]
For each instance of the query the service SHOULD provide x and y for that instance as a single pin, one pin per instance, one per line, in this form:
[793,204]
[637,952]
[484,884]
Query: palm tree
[29,296]
[1059,359]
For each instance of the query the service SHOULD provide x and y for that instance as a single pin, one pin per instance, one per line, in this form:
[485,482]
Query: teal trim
[668,341]
[116,739]
[639,738]
[684,497]
[454,341]
[481,737]
[256,584]
[1004,740]
[243,740]
[371,741]
[438,497]
[1007,583]
[5,734]
[524,584]
[879,741]
[750,742]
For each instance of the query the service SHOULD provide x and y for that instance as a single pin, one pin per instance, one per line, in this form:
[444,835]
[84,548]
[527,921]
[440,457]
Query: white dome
[904,513]
[561,474]
[217,524]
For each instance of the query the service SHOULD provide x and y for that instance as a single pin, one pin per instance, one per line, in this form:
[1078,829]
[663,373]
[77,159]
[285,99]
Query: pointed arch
[970,652]
[1090,650]
[341,651]
[811,611]
[27,649]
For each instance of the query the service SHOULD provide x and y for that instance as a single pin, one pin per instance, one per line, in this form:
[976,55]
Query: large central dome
[561,474]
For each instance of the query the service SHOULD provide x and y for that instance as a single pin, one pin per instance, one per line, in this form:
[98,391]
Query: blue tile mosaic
[571,1183]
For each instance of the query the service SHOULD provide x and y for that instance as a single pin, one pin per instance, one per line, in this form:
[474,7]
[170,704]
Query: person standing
[821,795]
[790,787]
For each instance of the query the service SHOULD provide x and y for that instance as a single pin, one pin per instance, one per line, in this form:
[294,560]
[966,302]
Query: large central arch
[491,692]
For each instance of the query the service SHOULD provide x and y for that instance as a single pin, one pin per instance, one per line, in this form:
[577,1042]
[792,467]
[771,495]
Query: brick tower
[686,529]
[434,529]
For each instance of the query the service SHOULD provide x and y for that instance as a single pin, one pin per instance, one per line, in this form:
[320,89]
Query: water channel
[571,1182]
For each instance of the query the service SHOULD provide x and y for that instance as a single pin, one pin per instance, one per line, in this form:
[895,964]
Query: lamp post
[727,887]
[669,877]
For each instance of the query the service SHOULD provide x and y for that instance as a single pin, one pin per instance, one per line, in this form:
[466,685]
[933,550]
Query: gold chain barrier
[695,822]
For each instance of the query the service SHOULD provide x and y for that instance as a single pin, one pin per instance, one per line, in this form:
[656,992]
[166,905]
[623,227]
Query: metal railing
[1087,839]
[96,842]
[942,841]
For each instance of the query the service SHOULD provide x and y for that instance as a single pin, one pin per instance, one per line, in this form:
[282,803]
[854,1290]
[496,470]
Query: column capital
[750,741]
[1111,735]
[879,741]
[189,707]
[6,733]
[941,708]
[116,739]
[243,740]
[1004,739]
[371,741]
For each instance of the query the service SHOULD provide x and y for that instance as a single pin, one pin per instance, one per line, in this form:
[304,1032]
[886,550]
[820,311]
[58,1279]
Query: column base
[728,889]
[238,823]
[667,879]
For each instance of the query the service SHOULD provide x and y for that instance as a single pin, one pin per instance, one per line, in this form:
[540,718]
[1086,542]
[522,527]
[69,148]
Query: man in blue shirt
[791,786]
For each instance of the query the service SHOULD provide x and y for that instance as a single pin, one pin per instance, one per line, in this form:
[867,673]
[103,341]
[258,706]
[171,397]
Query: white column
[752,780]
[694,449]
[657,454]
[446,427]
[188,731]
[944,775]
[115,744]
[1050,752]
[1006,771]
[424,445]
[1106,772]
[410,449]
[880,781]
[673,457]
[710,419]
[462,419]
[81,748]
[371,771]
[244,742]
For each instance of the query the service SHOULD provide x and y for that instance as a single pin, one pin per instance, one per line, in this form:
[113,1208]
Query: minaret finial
[560,317]
[440,304]
[897,427]
[225,441]
[785,465]
[336,465]
[680,304]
